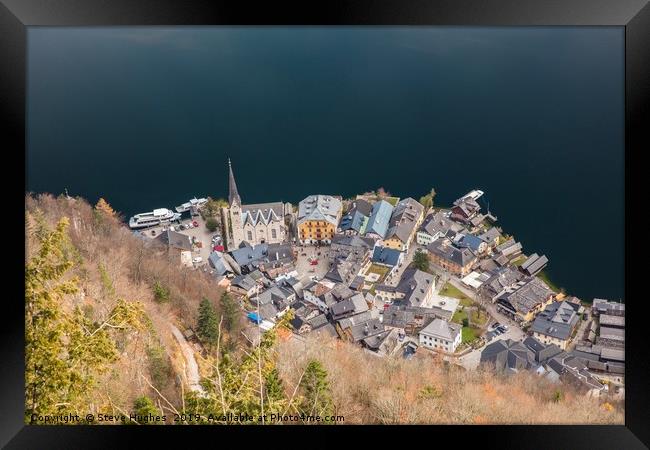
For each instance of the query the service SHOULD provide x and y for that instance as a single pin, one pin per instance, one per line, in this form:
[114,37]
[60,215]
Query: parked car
[195,223]
[197,260]
[505,327]
[496,325]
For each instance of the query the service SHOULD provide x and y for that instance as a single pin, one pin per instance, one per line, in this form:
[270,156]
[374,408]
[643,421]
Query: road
[191,367]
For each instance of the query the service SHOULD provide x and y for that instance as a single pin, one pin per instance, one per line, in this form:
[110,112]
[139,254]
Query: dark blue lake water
[146,118]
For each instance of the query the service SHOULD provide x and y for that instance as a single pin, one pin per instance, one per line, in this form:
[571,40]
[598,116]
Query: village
[402,279]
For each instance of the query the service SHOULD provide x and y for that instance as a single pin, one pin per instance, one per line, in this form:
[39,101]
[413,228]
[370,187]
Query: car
[153,232]
[496,325]
[189,225]
[505,327]
[498,332]
[502,330]
[197,260]
[195,223]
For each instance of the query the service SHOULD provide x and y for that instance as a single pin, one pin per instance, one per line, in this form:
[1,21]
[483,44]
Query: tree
[421,261]
[208,326]
[427,200]
[274,387]
[144,408]
[231,313]
[64,350]
[103,207]
[211,224]
[317,395]
[160,292]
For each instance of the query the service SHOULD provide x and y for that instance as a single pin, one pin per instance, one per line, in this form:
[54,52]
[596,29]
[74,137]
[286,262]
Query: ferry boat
[158,216]
[195,202]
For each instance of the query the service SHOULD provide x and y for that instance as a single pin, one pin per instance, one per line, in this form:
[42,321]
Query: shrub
[211,224]
[160,292]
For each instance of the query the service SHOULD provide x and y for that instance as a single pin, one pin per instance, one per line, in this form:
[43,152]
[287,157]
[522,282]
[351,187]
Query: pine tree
[317,395]
[231,313]
[208,325]
[143,407]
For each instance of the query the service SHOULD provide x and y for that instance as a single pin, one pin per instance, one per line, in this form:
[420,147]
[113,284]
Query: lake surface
[147,117]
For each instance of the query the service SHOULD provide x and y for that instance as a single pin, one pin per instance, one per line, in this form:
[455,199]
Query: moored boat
[154,218]
[195,202]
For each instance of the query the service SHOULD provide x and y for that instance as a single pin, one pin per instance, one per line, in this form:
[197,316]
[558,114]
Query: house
[255,223]
[465,209]
[534,264]
[525,299]
[389,257]
[610,321]
[379,220]
[500,280]
[244,285]
[410,319]
[441,335]
[315,293]
[474,243]
[220,263]
[356,219]
[383,343]
[491,237]
[414,289]
[459,261]
[404,222]
[437,226]
[602,306]
[348,256]
[508,356]
[318,218]
[509,248]
[178,241]
[556,324]
[346,308]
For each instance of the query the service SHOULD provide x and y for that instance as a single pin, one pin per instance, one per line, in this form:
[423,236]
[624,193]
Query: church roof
[233,195]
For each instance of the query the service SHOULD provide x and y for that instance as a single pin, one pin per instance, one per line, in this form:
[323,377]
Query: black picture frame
[634,15]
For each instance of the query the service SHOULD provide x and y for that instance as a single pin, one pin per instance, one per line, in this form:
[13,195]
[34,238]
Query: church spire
[233,195]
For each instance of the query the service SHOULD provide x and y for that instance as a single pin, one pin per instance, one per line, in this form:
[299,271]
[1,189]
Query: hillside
[112,273]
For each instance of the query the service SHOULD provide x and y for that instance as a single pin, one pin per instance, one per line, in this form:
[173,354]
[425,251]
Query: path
[191,367]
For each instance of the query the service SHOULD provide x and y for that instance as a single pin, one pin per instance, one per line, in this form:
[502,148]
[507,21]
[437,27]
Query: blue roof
[470,241]
[352,221]
[378,222]
[254,317]
[385,255]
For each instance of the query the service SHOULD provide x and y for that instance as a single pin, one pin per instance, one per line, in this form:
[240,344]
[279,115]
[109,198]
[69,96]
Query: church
[255,224]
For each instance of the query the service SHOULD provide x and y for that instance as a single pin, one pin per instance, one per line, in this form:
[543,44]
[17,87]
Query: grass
[379,270]
[468,335]
[519,261]
[476,320]
[392,200]
[459,316]
[451,291]
[544,277]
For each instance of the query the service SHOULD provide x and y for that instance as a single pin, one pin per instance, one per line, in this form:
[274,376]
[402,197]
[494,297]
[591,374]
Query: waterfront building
[318,217]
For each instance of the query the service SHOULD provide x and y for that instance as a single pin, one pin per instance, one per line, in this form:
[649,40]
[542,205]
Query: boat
[196,202]
[156,217]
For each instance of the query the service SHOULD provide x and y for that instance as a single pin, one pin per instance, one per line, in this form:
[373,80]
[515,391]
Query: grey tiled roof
[557,320]
[319,207]
[442,329]
[404,219]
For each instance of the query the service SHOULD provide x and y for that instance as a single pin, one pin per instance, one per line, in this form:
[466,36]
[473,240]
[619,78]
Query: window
[274,233]
[250,235]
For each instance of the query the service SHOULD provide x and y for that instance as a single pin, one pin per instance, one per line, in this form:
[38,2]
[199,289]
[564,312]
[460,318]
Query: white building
[441,335]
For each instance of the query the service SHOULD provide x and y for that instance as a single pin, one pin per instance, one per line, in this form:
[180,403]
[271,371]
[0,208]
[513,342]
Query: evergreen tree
[274,387]
[211,224]
[231,313]
[64,351]
[208,326]
[143,407]
[317,396]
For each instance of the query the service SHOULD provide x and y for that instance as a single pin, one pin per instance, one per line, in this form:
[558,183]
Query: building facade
[318,218]
[262,223]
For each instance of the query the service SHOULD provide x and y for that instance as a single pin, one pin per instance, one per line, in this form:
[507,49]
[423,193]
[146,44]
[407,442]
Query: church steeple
[233,195]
